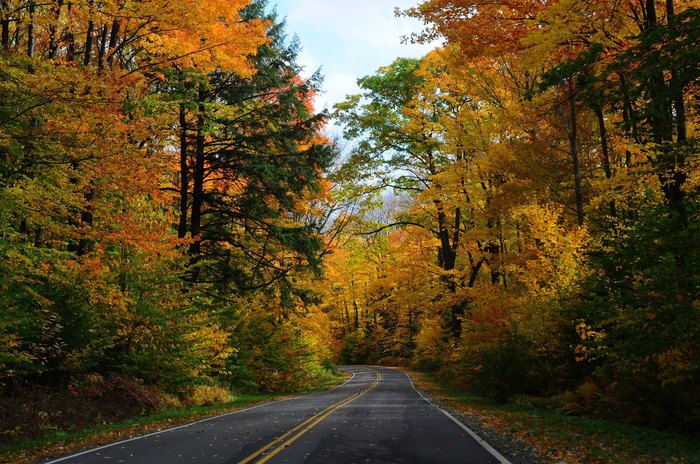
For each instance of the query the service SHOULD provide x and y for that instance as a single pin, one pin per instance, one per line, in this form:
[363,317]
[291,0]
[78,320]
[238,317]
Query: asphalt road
[375,417]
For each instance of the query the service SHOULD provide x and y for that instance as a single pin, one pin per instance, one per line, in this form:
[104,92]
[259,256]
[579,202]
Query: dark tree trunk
[184,175]
[571,127]
[198,181]
[88,43]
[347,313]
[628,119]
[664,108]
[103,47]
[356,324]
[113,39]
[578,184]
[30,30]
[605,150]
[84,245]
[5,25]
[53,31]
[447,256]
[447,259]
[70,39]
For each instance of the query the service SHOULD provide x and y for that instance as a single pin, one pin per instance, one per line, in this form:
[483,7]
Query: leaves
[97,279]
[541,230]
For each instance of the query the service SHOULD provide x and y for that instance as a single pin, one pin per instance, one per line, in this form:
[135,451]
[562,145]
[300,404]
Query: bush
[272,357]
[505,369]
[329,366]
[31,410]
[208,395]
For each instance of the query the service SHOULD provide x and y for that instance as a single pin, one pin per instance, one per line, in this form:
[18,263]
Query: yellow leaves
[585,332]
[564,28]
[552,256]
[210,344]
[201,37]
[207,34]
[676,365]
[430,340]
[592,347]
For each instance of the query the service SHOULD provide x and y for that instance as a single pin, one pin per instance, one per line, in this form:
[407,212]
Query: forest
[517,212]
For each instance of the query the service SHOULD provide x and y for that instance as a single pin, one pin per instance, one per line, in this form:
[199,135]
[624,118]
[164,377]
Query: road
[375,417]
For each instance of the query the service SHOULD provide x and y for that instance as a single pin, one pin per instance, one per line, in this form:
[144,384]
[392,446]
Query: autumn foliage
[155,162]
[529,211]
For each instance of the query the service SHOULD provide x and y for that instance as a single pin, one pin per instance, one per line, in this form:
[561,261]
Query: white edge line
[191,424]
[481,441]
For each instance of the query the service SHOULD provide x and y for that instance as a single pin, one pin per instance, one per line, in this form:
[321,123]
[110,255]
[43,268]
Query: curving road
[375,417]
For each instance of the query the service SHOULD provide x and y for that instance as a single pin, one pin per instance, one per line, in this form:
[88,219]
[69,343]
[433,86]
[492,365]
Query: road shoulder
[508,445]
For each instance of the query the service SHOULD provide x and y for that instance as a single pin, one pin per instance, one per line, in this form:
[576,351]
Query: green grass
[571,439]
[57,443]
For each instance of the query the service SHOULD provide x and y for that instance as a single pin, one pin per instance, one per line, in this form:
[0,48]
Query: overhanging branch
[396,224]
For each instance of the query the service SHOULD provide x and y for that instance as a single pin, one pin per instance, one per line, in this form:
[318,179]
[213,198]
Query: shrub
[31,410]
[505,369]
[208,395]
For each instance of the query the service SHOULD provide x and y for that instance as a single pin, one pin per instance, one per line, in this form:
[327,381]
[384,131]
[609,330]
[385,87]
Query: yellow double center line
[294,434]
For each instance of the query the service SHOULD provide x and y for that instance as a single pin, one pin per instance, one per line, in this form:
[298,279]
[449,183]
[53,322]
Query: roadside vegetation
[203,403]
[558,435]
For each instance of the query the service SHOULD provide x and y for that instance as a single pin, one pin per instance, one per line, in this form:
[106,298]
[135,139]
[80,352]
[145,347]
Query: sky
[348,39]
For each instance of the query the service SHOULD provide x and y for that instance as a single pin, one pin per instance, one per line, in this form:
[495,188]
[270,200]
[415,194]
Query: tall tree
[251,150]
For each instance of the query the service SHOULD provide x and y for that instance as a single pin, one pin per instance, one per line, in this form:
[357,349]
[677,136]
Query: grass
[61,443]
[559,438]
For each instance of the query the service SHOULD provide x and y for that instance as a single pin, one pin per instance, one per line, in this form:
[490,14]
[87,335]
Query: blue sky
[348,39]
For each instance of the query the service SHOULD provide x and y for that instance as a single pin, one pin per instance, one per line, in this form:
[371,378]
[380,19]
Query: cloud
[349,39]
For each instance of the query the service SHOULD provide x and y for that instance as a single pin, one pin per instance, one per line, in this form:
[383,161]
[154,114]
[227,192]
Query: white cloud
[349,39]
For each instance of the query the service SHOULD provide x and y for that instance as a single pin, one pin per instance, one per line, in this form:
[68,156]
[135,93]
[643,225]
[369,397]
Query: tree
[251,152]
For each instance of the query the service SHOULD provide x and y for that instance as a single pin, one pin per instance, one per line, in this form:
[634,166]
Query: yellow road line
[305,426]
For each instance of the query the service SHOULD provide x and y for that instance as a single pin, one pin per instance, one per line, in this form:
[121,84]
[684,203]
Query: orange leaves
[481,28]
[205,35]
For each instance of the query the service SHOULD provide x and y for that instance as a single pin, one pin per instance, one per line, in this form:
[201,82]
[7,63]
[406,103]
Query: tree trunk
[86,217]
[198,181]
[113,38]
[571,128]
[53,30]
[605,150]
[103,47]
[575,153]
[356,324]
[447,256]
[88,43]
[5,25]
[664,107]
[70,39]
[30,30]
[184,175]
[84,245]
